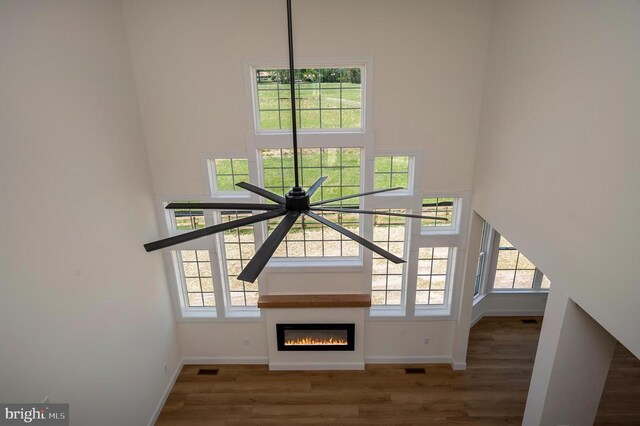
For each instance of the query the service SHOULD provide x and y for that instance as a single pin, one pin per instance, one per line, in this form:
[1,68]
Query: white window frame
[310,138]
[445,308]
[409,191]
[393,200]
[230,311]
[178,288]
[284,264]
[364,63]
[211,178]
[456,239]
[454,228]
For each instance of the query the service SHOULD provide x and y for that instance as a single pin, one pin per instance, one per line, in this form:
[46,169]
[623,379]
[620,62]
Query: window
[309,238]
[195,267]
[326,98]
[228,172]
[340,165]
[438,207]
[482,258]
[433,267]
[513,269]
[238,249]
[391,172]
[387,278]
[187,219]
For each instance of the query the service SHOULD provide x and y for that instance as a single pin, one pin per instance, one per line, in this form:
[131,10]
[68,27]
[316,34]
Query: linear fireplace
[315,337]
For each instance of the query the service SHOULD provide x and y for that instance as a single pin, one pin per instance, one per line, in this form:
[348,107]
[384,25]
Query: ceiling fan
[295,203]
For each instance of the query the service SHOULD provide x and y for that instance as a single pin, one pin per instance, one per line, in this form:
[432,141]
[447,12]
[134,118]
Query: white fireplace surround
[315,360]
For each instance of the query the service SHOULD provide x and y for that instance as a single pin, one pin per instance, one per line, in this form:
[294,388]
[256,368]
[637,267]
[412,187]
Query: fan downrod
[297,200]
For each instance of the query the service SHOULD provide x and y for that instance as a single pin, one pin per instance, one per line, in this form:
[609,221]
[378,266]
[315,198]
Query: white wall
[428,64]
[509,304]
[429,58]
[557,165]
[85,316]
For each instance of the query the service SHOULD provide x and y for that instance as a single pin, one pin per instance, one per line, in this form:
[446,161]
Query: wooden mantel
[315,301]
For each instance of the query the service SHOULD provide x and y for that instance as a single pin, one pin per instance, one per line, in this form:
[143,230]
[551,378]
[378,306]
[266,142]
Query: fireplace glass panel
[315,337]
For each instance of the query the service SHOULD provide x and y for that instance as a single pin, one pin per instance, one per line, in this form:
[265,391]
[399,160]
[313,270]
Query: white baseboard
[458,365]
[292,366]
[225,360]
[420,359]
[513,313]
[507,313]
[165,394]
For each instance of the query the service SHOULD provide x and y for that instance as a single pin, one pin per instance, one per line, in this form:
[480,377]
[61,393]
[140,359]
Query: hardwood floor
[492,391]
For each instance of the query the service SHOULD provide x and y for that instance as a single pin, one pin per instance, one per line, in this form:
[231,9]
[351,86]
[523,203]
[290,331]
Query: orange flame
[310,341]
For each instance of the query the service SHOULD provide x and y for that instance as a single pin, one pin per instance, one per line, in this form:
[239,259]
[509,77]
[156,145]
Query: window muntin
[513,270]
[438,207]
[326,98]
[433,267]
[237,250]
[391,172]
[228,172]
[195,268]
[307,237]
[188,219]
[387,278]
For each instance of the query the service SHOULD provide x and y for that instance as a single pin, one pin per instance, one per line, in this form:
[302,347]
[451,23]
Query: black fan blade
[354,196]
[266,250]
[171,241]
[348,210]
[316,185]
[355,237]
[223,206]
[263,192]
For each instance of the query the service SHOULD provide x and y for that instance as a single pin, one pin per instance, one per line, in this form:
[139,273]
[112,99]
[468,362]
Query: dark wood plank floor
[492,391]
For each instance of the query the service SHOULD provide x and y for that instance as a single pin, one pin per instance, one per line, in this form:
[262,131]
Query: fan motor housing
[297,200]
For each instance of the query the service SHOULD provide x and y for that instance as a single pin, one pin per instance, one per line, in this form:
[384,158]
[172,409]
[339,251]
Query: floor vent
[529,321]
[208,372]
[415,371]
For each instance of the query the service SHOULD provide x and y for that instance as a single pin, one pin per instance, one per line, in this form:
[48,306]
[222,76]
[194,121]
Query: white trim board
[410,359]
[294,366]
[507,313]
[189,360]
[165,394]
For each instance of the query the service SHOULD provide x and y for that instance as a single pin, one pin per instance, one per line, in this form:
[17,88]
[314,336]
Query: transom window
[433,267]
[387,278]
[326,98]
[195,266]
[228,172]
[438,207]
[391,172]
[188,219]
[238,249]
